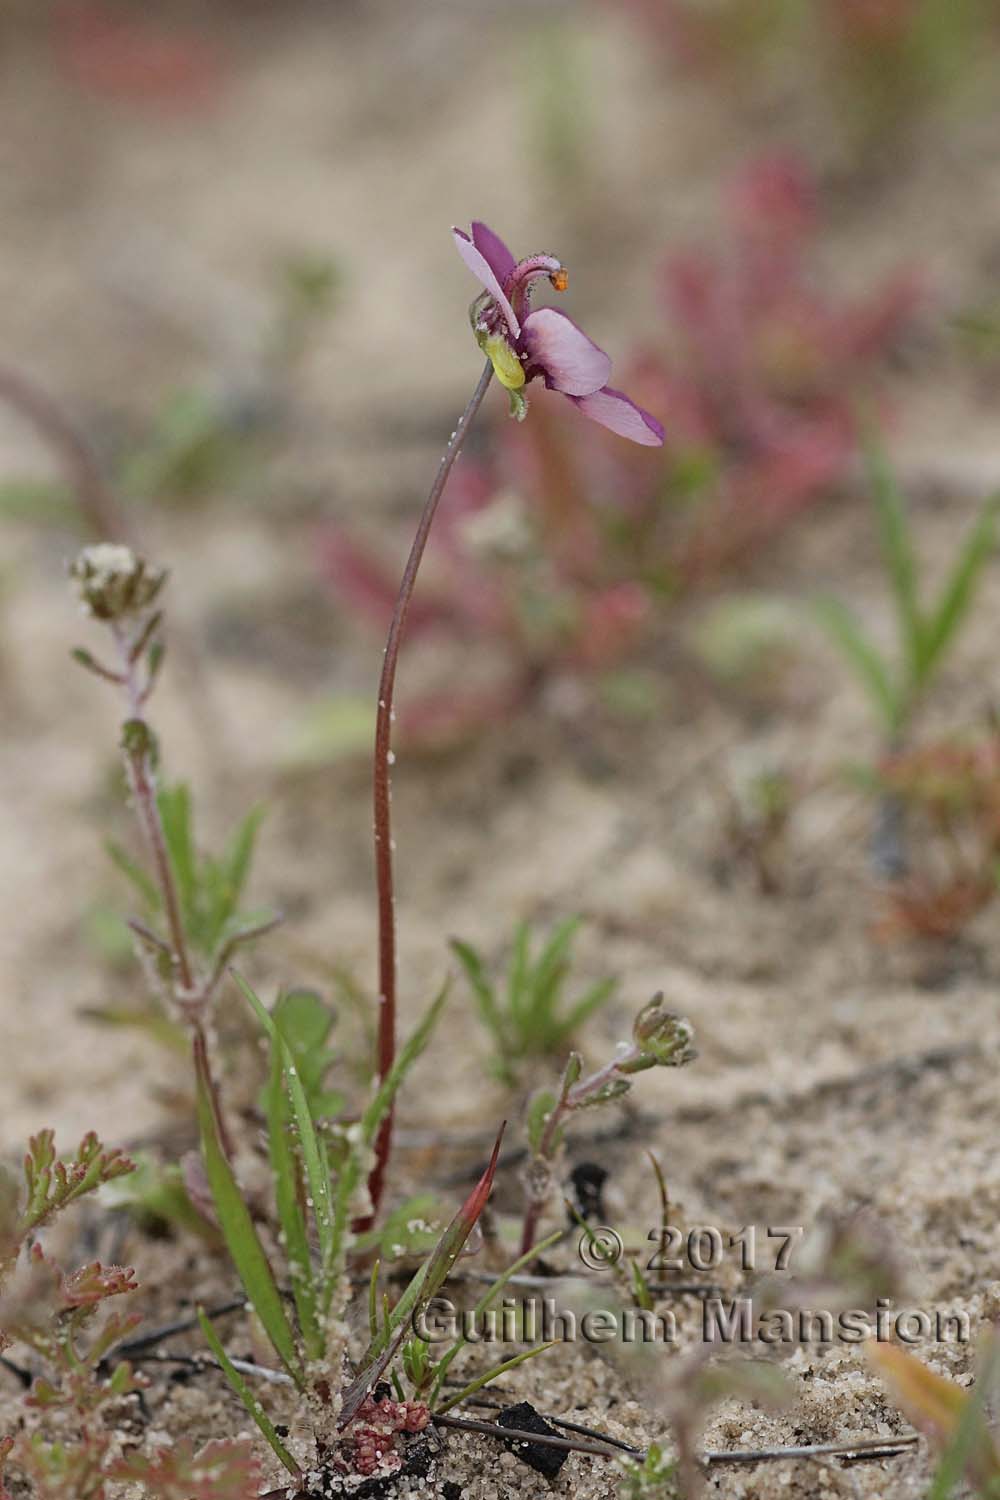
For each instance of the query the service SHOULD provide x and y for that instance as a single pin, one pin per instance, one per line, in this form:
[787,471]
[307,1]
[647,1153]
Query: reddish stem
[93,496]
[386,1047]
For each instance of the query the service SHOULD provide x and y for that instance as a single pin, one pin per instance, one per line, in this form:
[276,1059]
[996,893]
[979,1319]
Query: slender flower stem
[190,994]
[382,791]
[96,502]
[142,785]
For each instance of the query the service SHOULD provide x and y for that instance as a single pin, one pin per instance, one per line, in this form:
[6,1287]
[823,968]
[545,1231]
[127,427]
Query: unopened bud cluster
[114,582]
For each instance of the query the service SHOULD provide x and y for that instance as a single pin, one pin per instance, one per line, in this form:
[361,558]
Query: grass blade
[482,989]
[956,597]
[238,1231]
[518,992]
[493,1373]
[845,632]
[586,1005]
[242,1390]
[897,549]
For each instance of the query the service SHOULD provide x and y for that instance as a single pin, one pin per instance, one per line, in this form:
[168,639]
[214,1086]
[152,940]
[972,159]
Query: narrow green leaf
[518,991]
[425,1284]
[493,1373]
[861,654]
[174,804]
[143,883]
[549,973]
[242,1242]
[482,989]
[287,1195]
[238,856]
[959,590]
[251,1403]
[313,1153]
[356,1165]
[489,1296]
[595,997]
[897,549]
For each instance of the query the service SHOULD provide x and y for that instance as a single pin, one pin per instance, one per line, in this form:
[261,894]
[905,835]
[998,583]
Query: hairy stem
[382,792]
[193,996]
[96,502]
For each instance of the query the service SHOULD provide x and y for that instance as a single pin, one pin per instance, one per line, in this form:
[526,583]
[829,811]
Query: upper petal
[572,363]
[492,248]
[614,409]
[481,268]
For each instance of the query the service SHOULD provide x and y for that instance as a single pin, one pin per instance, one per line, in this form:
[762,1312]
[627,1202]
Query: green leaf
[494,1373]
[313,1151]
[251,1403]
[305,1022]
[425,1284]
[238,857]
[542,1103]
[408,1230]
[287,1195]
[356,1165]
[549,972]
[489,1296]
[595,997]
[143,883]
[861,654]
[518,994]
[174,804]
[897,549]
[959,590]
[242,1242]
[482,989]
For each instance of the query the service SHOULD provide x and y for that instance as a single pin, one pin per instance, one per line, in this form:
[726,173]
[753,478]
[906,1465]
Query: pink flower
[523,344]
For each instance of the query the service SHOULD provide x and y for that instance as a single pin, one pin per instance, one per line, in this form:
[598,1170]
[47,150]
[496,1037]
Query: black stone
[538,1456]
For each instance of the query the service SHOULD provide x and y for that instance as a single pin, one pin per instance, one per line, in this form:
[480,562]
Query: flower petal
[484,272]
[614,409]
[572,363]
[492,248]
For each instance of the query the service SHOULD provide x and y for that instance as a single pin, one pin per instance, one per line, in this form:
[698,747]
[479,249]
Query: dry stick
[78,459]
[382,795]
[869,1447]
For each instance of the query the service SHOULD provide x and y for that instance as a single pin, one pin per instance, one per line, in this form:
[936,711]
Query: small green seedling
[529,1017]
[925,632]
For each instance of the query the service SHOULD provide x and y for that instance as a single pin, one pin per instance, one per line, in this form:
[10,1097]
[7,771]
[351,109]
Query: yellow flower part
[509,369]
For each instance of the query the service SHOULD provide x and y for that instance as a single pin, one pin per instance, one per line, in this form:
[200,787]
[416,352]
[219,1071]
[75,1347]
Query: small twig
[490,1429]
[149,936]
[229,948]
[870,1447]
[179,1325]
[205,1362]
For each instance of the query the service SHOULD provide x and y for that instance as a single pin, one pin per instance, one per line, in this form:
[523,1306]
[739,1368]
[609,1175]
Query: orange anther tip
[560,279]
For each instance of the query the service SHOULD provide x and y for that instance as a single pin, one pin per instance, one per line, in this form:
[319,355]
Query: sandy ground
[833,1074]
